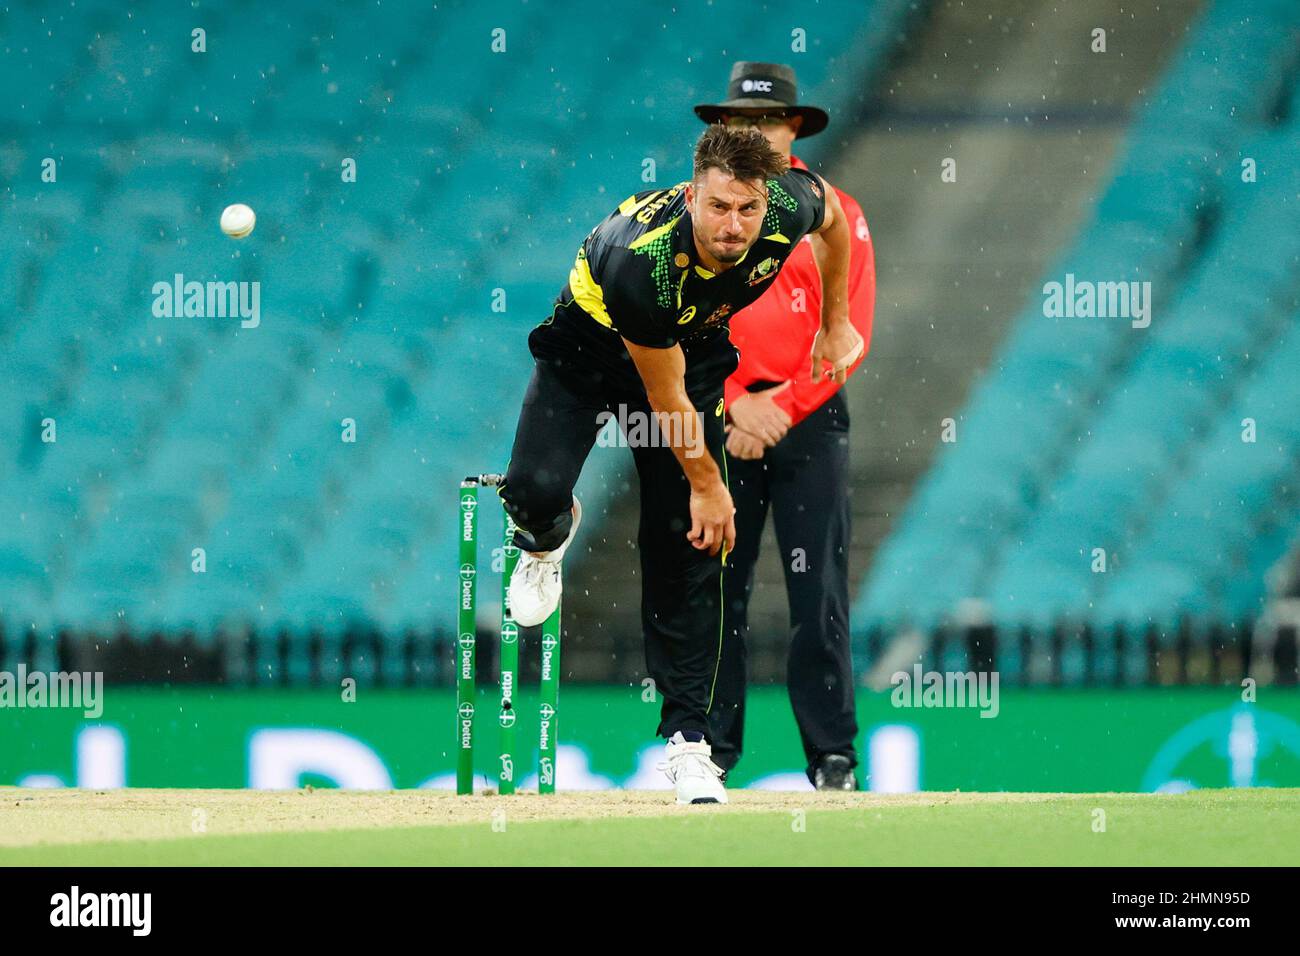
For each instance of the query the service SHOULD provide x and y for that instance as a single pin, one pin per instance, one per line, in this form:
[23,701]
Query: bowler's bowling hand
[758,414]
[713,518]
[838,347]
[741,444]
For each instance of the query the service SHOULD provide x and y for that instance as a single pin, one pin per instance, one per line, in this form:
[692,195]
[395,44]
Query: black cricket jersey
[638,275]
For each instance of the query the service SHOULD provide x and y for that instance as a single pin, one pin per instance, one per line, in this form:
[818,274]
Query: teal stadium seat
[1086,434]
[177,432]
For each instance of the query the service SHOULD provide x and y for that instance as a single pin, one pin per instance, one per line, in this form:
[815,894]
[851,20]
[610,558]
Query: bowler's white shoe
[690,766]
[535,585]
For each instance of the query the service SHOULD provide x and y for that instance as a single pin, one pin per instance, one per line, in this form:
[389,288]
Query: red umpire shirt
[775,334]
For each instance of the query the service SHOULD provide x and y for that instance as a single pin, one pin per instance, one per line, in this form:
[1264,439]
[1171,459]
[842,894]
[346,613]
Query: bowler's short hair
[741,153]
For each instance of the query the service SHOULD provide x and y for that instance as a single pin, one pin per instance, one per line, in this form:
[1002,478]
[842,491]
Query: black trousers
[681,596]
[803,480]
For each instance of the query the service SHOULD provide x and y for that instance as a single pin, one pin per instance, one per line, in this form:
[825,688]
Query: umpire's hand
[741,444]
[757,414]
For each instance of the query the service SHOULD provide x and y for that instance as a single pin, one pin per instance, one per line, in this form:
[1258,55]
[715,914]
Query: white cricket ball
[238,220]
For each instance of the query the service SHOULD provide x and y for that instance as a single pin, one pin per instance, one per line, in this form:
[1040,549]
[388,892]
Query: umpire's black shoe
[834,772]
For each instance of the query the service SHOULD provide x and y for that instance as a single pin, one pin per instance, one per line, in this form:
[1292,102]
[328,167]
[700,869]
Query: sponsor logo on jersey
[719,314]
[763,271]
[647,213]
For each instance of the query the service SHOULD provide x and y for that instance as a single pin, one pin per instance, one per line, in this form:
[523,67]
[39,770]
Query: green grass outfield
[1210,827]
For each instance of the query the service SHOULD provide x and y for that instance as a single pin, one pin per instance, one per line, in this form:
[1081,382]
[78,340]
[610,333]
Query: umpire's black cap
[764,88]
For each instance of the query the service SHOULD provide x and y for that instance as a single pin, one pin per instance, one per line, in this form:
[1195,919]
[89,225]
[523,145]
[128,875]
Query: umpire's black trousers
[803,480]
[681,606]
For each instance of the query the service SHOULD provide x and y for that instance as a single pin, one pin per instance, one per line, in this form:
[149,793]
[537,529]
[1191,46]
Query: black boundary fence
[1188,652]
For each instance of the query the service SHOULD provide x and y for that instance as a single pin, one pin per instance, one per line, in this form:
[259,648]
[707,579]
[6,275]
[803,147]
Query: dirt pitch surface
[34,817]
[618,828]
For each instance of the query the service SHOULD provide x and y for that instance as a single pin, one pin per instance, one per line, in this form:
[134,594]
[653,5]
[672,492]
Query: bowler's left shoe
[690,766]
[537,581]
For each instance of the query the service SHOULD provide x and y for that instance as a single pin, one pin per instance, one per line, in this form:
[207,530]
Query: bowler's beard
[721,253]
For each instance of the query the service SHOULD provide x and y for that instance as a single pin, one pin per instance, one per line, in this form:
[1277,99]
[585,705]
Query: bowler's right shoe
[535,585]
[690,766]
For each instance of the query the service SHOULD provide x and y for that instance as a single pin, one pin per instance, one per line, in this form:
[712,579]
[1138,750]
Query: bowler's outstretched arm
[838,343]
[663,371]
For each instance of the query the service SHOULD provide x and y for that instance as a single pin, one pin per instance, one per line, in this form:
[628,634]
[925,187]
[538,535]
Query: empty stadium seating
[1089,433]
[477,171]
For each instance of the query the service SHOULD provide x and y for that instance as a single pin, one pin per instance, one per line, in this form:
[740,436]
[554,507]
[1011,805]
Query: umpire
[788,452]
